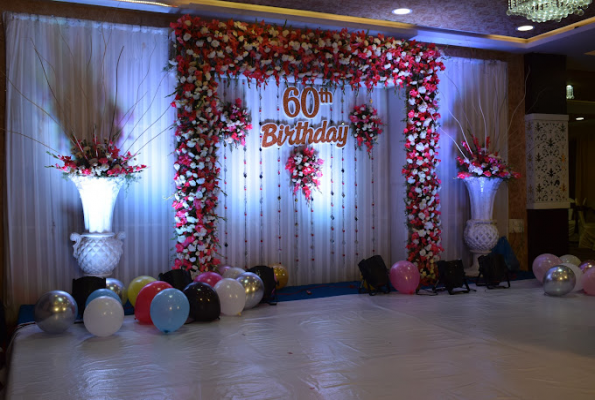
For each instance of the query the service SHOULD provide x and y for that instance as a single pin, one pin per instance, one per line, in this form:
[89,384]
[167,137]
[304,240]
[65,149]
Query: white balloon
[232,296]
[569,258]
[233,272]
[104,316]
[578,274]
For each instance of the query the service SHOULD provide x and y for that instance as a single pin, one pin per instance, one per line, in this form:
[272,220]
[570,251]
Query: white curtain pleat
[469,88]
[80,59]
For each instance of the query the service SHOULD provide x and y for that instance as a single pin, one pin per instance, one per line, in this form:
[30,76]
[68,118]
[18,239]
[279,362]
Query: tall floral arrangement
[261,52]
[304,168]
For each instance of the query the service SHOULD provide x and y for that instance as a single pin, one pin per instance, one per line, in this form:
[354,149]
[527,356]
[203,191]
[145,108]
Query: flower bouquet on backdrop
[478,160]
[235,123]
[366,125]
[304,168]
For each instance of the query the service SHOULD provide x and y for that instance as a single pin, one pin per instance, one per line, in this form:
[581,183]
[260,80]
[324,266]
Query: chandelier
[546,10]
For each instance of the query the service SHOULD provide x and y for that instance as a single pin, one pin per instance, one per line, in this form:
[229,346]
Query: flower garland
[95,158]
[479,161]
[259,52]
[366,125]
[422,203]
[304,168]
[235,123]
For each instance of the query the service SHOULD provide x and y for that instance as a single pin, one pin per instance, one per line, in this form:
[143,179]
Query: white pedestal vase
[98,249]
[481,233]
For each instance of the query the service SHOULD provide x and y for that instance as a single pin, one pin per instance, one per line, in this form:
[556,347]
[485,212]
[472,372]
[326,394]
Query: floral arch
[261,53]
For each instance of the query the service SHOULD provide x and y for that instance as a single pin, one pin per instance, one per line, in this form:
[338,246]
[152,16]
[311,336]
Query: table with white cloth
[507,343]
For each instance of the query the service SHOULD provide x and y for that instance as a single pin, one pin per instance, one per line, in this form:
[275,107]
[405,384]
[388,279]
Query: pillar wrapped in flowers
[98,171]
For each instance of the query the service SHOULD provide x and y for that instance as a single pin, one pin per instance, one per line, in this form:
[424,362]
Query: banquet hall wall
[516,152]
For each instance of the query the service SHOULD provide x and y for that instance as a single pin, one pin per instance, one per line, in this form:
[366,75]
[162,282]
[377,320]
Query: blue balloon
[169,310]
[102,292]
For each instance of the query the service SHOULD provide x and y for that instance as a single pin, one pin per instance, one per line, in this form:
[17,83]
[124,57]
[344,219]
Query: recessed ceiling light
[580,118]
[401,11]
[524,28]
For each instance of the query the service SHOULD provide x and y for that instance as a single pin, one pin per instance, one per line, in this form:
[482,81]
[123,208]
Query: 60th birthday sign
[308,103]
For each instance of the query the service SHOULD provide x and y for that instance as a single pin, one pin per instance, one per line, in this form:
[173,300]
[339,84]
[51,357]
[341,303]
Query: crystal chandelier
[546,10]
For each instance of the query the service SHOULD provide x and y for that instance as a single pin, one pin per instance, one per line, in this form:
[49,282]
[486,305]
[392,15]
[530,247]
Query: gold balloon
[136,285]
[281,274]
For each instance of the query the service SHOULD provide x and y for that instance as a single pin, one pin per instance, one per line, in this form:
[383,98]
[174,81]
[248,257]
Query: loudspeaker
[374,276]
[492,271]
[451,275]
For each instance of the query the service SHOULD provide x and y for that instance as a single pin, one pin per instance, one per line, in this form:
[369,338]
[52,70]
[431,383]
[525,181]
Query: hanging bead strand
[332,199]
[245,197]
[278,184]
[343,180]
[373,195]
[225,227]
[260,176]
[296,225]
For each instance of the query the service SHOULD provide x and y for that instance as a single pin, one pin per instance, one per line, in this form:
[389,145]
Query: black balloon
[178,278]
[204,302]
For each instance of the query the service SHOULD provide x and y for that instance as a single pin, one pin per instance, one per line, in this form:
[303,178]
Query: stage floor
[505,344]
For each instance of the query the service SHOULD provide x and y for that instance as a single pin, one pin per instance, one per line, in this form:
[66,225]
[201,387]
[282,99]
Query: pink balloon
[208,277]
[542,263]
[587,264]
[405,277]
[589,281]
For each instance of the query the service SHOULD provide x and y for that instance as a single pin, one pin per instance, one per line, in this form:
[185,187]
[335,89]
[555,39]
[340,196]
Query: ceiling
[469,23]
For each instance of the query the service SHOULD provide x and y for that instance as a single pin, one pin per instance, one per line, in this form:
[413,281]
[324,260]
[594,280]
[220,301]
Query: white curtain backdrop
[43,209]
[467,89]
[80,59]
[313,245]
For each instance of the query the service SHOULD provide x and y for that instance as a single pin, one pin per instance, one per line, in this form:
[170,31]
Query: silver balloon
[118,288]
[55,311]
[254,288]
[559,280]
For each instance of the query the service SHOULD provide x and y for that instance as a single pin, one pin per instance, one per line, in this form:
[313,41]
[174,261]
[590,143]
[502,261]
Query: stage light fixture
[492,271]
[374,276]
[451,276]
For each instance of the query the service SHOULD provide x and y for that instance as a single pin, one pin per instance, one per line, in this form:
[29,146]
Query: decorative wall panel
[547,161]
